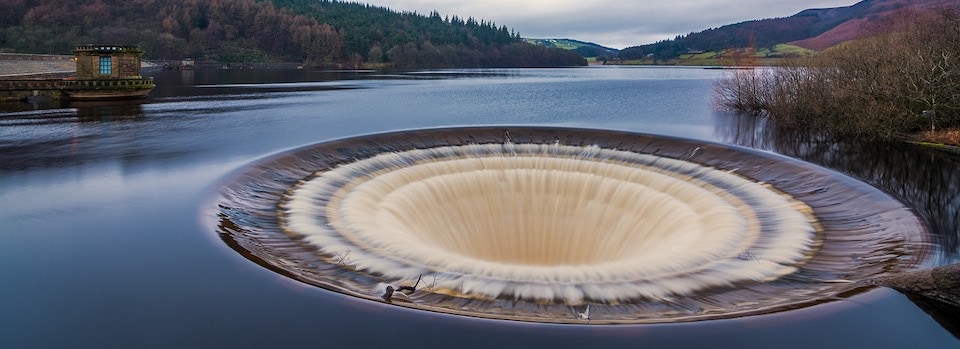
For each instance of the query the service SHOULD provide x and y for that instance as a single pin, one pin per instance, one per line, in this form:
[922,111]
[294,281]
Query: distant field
[763,56]
[785,49]
[558,43]
[570,44]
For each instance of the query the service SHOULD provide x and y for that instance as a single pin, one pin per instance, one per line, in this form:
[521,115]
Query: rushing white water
[549,223]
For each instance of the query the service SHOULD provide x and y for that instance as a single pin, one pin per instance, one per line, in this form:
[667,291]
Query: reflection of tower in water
[91,111]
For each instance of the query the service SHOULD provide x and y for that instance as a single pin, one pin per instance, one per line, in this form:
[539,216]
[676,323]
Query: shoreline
[946,148]
[945,140]
[16,66]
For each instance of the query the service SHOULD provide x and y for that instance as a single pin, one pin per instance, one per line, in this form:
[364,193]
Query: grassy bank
[947,140]
[768,56]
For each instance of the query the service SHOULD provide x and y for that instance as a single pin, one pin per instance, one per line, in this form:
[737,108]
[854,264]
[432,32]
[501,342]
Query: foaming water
[550,223]
[535,224]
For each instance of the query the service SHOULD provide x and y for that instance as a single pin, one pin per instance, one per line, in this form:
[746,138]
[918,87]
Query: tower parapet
[108,61]
[108,71]
[102,72]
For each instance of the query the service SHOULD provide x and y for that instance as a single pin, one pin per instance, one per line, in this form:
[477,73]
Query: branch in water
[411,288]
[940,283]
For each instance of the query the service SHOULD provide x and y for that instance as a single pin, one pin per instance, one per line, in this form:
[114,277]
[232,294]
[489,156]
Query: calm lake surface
[105,242]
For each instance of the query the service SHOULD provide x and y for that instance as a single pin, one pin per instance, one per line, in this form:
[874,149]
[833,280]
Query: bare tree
[896,81]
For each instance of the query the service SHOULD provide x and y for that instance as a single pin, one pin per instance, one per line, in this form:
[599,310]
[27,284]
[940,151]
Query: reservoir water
[104,210]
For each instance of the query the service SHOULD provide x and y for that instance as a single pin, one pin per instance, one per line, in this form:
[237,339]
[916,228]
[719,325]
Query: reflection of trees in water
[925,180]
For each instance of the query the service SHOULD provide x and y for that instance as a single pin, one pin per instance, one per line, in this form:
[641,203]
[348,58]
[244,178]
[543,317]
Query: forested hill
[314,32]
[813,28]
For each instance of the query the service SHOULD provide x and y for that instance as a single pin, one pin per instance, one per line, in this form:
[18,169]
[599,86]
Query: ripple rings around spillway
[535,224]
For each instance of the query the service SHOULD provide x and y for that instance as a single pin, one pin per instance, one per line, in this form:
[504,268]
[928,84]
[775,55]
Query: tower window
[106,65]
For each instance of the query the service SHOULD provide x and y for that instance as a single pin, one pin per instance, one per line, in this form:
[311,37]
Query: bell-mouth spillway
[565,225]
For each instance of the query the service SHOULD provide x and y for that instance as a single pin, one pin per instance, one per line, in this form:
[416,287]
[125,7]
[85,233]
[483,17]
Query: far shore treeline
[311,32]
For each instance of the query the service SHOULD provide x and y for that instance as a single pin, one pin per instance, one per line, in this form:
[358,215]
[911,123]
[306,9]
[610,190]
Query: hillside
[585,49]
[312,32]
[812,29]
[865,17]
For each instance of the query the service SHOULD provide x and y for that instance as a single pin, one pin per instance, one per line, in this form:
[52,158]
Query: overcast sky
[612,23]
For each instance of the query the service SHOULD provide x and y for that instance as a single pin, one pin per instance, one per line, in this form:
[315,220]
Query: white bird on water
[585,315]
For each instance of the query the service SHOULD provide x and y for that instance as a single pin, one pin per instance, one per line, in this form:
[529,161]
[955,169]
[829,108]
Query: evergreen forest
[312,32]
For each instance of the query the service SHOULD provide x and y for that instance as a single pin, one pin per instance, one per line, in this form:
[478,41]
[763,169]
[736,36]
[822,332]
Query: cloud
[612,23]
